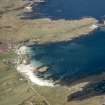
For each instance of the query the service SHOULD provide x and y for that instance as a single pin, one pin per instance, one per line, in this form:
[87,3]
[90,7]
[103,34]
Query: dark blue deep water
[69,9]
[78,58]
[71,60]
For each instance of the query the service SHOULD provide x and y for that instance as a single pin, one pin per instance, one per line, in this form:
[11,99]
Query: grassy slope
[42,30]
[11,89]
[14,90]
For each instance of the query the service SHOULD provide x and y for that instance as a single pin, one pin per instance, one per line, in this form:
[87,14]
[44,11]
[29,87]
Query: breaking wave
[28,70]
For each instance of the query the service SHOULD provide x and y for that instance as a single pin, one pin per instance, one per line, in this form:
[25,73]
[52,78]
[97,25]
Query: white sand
[93,27]
[22,50]
[27,70]
[29,8]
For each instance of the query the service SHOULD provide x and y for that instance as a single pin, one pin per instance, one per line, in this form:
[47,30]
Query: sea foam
[27,70]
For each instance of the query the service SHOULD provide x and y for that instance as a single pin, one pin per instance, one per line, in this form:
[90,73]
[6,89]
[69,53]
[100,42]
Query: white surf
[27,70]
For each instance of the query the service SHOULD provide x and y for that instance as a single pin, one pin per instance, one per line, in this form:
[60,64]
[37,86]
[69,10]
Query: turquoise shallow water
[71,60]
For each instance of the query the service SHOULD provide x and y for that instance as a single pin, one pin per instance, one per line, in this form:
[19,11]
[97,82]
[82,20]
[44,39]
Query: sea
[68,61]
[67,9]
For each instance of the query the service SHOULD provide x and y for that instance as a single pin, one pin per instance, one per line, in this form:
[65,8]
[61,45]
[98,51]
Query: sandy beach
[28,70]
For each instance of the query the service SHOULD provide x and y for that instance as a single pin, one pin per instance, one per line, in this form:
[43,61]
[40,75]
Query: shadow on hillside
[67,9]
